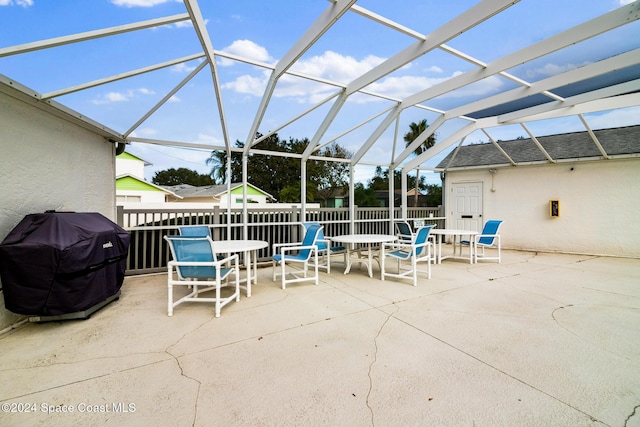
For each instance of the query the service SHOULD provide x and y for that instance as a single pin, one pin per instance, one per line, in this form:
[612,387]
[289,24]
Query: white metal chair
[488,238]
[418,250]
[194,264]
[303,253]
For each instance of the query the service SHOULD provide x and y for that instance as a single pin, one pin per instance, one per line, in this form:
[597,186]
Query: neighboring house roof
[132,183]
[213,191]
[616,142]
[128,156]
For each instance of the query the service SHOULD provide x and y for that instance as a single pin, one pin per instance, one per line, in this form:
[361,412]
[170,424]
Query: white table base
[249,248]
[455,234]
[362,239]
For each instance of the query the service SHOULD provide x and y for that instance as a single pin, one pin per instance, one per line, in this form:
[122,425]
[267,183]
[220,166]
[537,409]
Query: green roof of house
[129,156]
[129,182]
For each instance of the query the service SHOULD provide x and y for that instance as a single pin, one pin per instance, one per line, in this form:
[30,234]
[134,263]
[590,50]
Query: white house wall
[599,205]
[49,163]
[130,167]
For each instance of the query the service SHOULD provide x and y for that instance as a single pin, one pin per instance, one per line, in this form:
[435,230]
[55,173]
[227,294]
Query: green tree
[181,176]
[331,177]
[364,196]
[434,195]
[278,175]
[415,129]
[380,180]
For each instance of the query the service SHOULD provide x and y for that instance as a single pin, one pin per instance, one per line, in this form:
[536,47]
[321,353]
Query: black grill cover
[62,262]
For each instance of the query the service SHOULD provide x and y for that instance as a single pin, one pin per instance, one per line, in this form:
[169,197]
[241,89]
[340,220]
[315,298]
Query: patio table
[247,247]
[455,234]
[362,239]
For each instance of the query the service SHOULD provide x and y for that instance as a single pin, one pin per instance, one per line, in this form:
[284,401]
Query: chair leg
[414,267]
[328,255]
[238,284]
[218,297]
[284,283]
[316,265]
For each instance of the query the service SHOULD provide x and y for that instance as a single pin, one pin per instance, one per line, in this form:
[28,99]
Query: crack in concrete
[182,373]
[197,396]
[631,415]
[85,379]
[466,353]
[373,362]
[557,322]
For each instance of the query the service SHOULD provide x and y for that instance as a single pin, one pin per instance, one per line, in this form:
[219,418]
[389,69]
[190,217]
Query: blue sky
[264,31]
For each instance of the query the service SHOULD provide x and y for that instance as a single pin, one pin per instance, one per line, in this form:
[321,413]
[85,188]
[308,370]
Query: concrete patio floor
[539,340]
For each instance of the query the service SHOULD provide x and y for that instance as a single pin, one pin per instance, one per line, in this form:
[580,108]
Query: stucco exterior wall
[49,163]
[599,205]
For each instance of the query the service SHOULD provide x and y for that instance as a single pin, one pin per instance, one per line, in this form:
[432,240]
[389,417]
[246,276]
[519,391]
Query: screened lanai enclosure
[201,75]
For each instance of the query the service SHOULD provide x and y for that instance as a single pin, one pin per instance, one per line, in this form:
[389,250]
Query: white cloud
[208,139]
[112,97]
[139,3]
[342,69]
[246,49]
[330,65]
[248,84]
[23,3]
[616,118]
[401,87]
[145,132]
[549,70]
[625,2]
[336,67]
[182,68]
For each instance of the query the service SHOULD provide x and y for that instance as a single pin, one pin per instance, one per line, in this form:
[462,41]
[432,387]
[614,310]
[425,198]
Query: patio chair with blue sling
[194,264]
[194,230]
[403,231]
[418,250]
[406,235]
[302,253]
[325,249]
[488,238]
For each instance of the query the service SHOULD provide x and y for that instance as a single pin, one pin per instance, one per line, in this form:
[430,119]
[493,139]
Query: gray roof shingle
[576,145]
[186,190]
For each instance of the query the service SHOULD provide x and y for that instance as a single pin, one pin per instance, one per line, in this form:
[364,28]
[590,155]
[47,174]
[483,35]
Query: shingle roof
[577,145]
[186,190]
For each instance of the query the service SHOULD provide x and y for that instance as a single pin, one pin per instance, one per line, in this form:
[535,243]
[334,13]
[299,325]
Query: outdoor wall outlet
[554,208]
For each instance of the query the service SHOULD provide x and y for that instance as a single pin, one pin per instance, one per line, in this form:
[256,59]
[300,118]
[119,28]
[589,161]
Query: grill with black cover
[62,265]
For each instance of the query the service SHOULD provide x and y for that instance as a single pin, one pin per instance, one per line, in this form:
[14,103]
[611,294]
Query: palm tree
[218,162]
[409,137]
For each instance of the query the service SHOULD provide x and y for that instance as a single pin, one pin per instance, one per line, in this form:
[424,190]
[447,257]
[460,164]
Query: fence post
[120,215]
[216,221]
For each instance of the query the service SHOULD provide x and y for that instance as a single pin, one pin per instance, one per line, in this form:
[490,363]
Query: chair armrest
[397,245]
[219,262]
[297,248]
[477,237]
[275,246]
[231,258]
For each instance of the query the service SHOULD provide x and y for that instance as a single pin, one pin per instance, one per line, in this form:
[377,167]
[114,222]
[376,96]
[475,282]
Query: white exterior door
[466,205]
